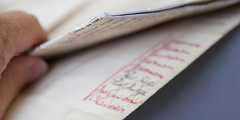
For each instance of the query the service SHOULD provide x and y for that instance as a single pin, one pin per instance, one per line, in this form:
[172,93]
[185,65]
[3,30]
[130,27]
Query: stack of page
[111,80]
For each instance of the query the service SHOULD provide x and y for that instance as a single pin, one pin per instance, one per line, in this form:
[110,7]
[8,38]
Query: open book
[109,81]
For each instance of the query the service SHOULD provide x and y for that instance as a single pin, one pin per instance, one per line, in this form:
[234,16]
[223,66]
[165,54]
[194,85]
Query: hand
[19,32]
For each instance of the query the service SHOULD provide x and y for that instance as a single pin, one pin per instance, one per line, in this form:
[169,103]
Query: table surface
[207,90]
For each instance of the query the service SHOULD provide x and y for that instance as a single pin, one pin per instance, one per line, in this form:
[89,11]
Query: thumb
[20,72]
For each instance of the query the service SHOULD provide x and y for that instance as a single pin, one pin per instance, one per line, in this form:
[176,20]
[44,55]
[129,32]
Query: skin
[19,32]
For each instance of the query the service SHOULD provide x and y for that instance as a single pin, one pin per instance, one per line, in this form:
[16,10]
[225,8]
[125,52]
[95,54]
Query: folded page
[112,80]
[53,12]
[77,24]
[93,29]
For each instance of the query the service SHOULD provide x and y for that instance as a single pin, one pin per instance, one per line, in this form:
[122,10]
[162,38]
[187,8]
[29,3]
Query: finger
[18,32]
[20,72]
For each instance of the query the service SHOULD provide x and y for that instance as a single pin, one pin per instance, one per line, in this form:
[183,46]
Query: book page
[53,13]
[110,81]
[72,24]
[115,23]
[49,12]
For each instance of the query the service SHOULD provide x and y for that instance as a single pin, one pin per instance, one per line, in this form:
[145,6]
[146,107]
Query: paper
[112,80]
[49,12]
[73,25]
[116,22]
[4,3]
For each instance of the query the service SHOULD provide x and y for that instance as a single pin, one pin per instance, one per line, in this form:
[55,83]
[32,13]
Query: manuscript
[109,81]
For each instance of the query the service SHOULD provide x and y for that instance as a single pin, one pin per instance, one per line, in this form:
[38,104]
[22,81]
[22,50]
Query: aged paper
[50,12]
[119,21]
[77,24]
[112,80]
